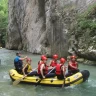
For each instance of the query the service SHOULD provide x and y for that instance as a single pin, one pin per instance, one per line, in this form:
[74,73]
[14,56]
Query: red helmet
[55,56]
[73,57]
[28,59]
[62,60]
[43,57]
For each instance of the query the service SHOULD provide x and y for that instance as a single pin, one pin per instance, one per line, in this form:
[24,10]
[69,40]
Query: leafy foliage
[3,21]
[87,22]
[84,29]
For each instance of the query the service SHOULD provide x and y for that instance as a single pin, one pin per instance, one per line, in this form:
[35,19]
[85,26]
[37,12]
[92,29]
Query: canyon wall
[43,26]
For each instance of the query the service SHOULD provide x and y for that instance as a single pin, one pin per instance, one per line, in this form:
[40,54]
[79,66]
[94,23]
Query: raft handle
[13,74]
[51,81]
[37,79]
[68,79]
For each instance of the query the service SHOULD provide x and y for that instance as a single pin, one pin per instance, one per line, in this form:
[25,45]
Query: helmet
[73,57]
[55,56]
[43,57]
[62,60]
[28,59]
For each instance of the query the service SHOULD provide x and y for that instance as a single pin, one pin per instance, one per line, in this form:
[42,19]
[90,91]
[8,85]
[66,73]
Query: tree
[3,21]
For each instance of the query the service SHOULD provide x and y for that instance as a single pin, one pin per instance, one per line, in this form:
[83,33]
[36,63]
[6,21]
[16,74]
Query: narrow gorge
[47,27]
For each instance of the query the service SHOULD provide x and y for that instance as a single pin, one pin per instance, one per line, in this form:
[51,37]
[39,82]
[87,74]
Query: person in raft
[72,65]
[53,63]
[43,68]
[27,69]
[61,69]
[18,62]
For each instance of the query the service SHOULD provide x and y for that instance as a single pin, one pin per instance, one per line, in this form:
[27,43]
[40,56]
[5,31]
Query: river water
[87,88]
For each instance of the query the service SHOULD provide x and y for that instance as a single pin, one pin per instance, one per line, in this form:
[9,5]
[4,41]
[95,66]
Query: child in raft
[27,69]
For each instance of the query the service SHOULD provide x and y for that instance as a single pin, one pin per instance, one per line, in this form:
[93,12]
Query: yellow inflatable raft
[71,80]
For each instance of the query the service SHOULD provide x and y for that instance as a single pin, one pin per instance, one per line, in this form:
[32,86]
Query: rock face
[43,26]
[83,38]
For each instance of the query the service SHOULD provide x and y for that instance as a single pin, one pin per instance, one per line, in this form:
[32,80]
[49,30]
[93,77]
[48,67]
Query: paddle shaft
[63,83]
[50,71]
[63,70]
[29,73]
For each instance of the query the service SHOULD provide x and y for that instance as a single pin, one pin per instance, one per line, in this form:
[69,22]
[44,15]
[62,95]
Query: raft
[75,79]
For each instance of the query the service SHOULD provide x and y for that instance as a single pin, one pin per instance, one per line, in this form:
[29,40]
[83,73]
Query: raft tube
[69,81]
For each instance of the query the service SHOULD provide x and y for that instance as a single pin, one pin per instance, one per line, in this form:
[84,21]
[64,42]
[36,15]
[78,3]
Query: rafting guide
[18,62]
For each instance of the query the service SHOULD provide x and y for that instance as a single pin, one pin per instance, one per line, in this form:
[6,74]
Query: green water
[7,89]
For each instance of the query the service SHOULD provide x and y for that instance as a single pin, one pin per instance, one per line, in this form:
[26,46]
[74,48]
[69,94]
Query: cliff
[44,26]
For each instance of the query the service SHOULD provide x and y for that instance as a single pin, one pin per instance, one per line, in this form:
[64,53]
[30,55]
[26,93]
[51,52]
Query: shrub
[3,21]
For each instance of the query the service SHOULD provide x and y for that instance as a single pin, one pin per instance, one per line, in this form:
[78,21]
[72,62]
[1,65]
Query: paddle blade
[63,83]
[17,81]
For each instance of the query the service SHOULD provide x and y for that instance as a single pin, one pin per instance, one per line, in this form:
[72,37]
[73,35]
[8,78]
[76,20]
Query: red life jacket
[58,69]
[53,63]
[39,65]
[73,64]
[45,70]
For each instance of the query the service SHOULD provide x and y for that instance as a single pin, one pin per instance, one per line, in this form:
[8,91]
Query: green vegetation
[3,21]
[86,22]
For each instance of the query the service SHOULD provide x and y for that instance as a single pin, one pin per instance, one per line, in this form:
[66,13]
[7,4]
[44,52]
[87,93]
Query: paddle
[64,69]
[45,76]
[63,82]
[19,80]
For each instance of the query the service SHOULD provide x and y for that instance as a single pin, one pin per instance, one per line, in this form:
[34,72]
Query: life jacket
[45,70]
[53,63]
[73,64]
[28,68]
[58,69]
[39,65]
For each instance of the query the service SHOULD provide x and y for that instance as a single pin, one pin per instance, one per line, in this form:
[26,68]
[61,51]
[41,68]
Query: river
[87,88]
